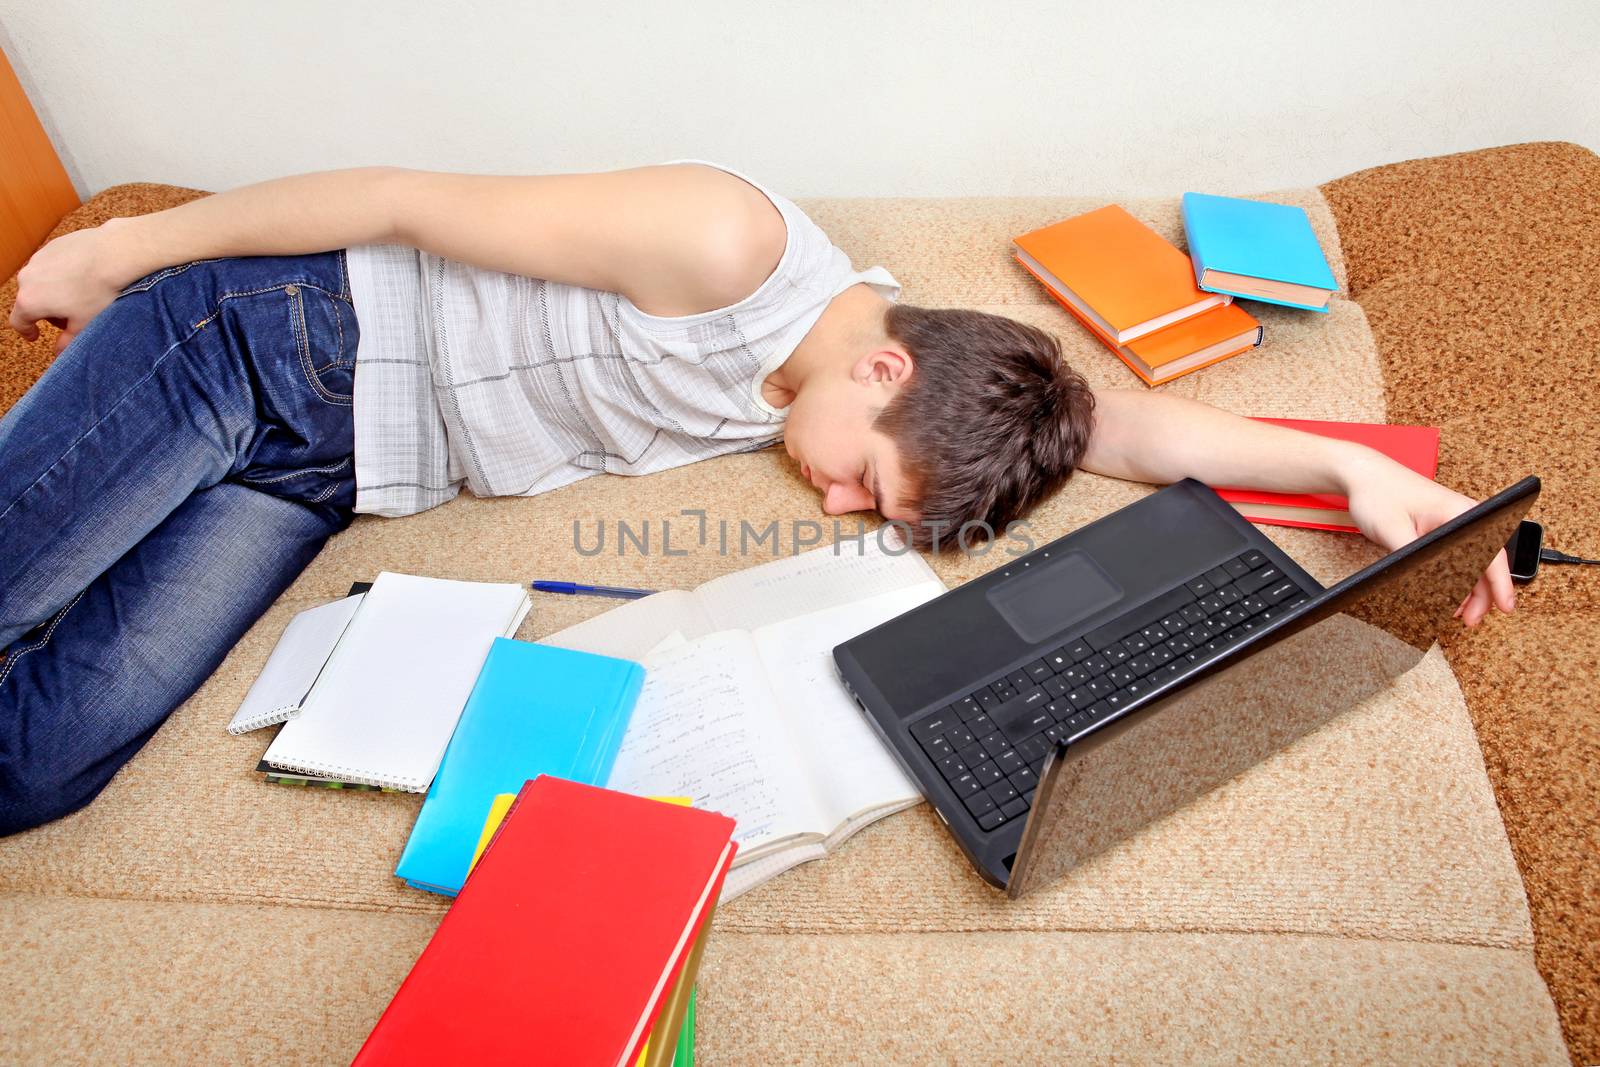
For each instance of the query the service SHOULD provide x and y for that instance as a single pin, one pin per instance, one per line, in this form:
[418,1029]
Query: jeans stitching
[225,297]
[296,474]
[268,289]
[147,283]
[154,367]
[18,653]
[150,281]
[303,349]
[338,323]
[339,362]
[344,277]
[109,412]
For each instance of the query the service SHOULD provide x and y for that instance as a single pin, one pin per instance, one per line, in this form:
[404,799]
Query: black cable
[1550,555]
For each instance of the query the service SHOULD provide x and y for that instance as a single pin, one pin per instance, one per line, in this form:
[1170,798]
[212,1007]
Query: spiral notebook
[292,669]
[383,708]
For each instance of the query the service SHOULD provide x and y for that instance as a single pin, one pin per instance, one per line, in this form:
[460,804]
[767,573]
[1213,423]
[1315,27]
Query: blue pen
[574,588]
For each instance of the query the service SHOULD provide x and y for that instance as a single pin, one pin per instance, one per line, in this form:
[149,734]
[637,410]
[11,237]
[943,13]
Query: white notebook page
[634,629]
[849,768]
[747,599]
[812,581]
[386,704]
[744,877]
[705,728]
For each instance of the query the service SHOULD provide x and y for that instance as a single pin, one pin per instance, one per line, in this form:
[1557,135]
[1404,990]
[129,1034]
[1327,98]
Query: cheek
[795,435]
[821,432]
[806,429]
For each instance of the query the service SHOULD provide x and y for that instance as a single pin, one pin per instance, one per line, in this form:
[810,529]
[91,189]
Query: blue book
[535,709]
[1257,251]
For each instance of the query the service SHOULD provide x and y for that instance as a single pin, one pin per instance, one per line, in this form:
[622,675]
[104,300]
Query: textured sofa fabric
[1477,273]
[1354,897]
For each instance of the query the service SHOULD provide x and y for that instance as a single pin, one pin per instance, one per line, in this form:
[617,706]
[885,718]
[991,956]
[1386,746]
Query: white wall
[944,97]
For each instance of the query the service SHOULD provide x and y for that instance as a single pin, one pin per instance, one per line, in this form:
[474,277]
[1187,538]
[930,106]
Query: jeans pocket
[325,341]
[299,338]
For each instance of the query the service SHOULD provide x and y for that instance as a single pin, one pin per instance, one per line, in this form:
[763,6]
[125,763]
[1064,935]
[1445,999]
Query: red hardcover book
[564,943]
[1416,447]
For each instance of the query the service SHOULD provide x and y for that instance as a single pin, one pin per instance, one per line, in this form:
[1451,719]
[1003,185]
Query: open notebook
[741,708]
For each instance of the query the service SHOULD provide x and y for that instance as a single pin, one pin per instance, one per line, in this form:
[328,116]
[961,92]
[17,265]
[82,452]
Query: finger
[63,339]
[1499,575]
[22,323]
[1477,604]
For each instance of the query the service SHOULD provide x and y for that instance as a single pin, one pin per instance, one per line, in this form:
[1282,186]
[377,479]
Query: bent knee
[30,795]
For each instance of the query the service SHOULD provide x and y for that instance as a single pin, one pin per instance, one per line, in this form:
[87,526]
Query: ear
[889,364]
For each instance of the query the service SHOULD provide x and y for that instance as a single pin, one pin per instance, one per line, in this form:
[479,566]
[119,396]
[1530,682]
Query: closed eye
[877,498]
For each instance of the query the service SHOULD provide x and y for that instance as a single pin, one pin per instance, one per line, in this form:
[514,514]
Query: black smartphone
[1523,550]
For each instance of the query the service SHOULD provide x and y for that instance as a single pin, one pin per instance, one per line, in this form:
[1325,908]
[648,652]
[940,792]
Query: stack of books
[1166,314]
[575,939]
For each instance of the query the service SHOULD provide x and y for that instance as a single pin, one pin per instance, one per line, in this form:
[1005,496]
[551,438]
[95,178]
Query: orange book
[1416,447]
[1116,273]
[1196,342]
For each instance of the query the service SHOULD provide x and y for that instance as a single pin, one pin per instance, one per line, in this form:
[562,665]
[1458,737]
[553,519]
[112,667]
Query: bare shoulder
[734,234]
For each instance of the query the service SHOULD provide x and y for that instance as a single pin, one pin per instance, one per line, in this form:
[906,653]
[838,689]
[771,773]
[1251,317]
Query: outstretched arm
[1160,438]
[674,239]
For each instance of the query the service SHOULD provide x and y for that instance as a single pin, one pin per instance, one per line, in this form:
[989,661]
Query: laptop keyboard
[991,745]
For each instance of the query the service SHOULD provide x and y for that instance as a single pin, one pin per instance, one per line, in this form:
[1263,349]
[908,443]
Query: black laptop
[1060,702]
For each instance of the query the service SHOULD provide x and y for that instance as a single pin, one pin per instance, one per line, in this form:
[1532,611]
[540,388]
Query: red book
[1416,447]
[564,943]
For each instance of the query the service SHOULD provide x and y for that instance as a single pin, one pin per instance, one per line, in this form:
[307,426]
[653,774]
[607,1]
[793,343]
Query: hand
[70,280]
[1393,505]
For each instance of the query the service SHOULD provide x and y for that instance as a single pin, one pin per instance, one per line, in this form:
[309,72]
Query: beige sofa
[1352,899]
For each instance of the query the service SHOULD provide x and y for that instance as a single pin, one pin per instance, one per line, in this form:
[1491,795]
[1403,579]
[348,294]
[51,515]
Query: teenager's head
[947,417]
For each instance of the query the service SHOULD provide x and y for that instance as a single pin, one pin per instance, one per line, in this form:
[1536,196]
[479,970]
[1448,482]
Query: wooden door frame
[35,192]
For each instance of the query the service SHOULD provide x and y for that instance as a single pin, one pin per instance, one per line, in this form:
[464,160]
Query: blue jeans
[168,476]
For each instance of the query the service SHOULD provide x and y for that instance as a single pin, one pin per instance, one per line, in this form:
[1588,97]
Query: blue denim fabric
[168,476]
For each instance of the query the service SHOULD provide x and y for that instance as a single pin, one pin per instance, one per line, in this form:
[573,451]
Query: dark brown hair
[992,421]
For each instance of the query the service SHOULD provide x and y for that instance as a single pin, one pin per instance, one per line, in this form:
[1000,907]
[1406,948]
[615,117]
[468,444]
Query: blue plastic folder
[535,709]
[1257,239]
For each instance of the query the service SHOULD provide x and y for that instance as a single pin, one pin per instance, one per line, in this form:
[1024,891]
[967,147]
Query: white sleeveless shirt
[514,386]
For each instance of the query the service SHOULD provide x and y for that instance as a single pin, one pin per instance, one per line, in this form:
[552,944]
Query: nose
[830,499]
[837,499]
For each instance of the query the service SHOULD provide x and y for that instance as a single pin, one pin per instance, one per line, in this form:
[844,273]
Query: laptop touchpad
[1040,601]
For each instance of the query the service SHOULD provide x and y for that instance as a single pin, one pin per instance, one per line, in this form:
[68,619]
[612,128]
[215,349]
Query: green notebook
[684,1054]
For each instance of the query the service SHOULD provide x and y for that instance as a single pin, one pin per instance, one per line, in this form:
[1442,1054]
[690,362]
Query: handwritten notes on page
[704,728]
